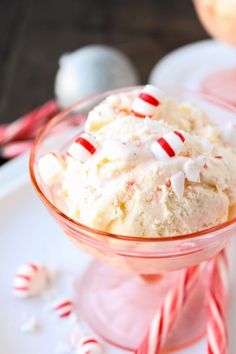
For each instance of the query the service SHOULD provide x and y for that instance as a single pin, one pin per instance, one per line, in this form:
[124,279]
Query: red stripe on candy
[25,277]
[180,135]
[149,99]
[34,266]
[160,330]
[165,146]
[86,144]
[209,350]
[65,314]
[88,341]
[66,303]
[21,288]
[217,304]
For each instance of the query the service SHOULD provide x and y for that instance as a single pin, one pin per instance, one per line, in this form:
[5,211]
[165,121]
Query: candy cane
[217,306]
[83,147]
[26,126]
[165,317]
[16,148]
[169,145]
[148,102]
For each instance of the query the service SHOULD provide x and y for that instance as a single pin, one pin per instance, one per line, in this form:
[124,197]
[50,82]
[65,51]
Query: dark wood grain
[33,34]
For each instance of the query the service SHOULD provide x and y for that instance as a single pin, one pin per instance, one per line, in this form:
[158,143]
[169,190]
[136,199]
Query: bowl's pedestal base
[119,306]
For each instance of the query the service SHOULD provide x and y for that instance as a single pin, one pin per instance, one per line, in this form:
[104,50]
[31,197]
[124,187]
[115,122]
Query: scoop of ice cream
[125,188]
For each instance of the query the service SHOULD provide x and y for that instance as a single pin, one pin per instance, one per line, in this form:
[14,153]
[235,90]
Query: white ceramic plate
[29,233]
[188,65]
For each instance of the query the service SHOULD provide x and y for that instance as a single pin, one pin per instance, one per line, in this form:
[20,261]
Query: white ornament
[30,280]
[50,167]
[91,70]
[192,169]
[177,184]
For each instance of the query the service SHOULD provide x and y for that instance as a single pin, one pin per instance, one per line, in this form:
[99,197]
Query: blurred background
[34,34]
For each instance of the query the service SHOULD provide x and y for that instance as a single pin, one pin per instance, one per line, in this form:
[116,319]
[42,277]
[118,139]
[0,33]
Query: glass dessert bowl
[218,17]
[123,288]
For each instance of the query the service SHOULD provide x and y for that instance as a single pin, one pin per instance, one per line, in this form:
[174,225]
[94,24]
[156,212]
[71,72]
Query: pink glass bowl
[218,18]
[136,272]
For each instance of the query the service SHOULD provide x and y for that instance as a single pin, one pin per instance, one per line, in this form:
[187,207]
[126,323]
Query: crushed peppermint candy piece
[228,133]
[192,169]
[31,325]
[177,184]
[50,167]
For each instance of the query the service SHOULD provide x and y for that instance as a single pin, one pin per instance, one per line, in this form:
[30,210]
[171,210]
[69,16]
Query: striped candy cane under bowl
[119,296]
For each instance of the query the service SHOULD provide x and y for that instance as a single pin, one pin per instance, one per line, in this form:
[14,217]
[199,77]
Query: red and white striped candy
[30,280]
[89,345]
[166,316]
[28,125]
[63,307]
[50,167]
[148,101]
[168,145]
[217,336]
[83,147]
[13,149]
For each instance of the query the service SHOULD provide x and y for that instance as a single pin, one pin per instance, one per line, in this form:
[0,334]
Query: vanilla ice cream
[125,188]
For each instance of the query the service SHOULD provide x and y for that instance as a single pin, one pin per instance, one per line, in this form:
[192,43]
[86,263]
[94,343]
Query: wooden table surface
[34,33]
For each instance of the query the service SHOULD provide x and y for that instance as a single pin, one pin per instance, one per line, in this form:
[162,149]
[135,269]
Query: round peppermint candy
[83,147]
[168,146]
[30,280]
[149,101]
